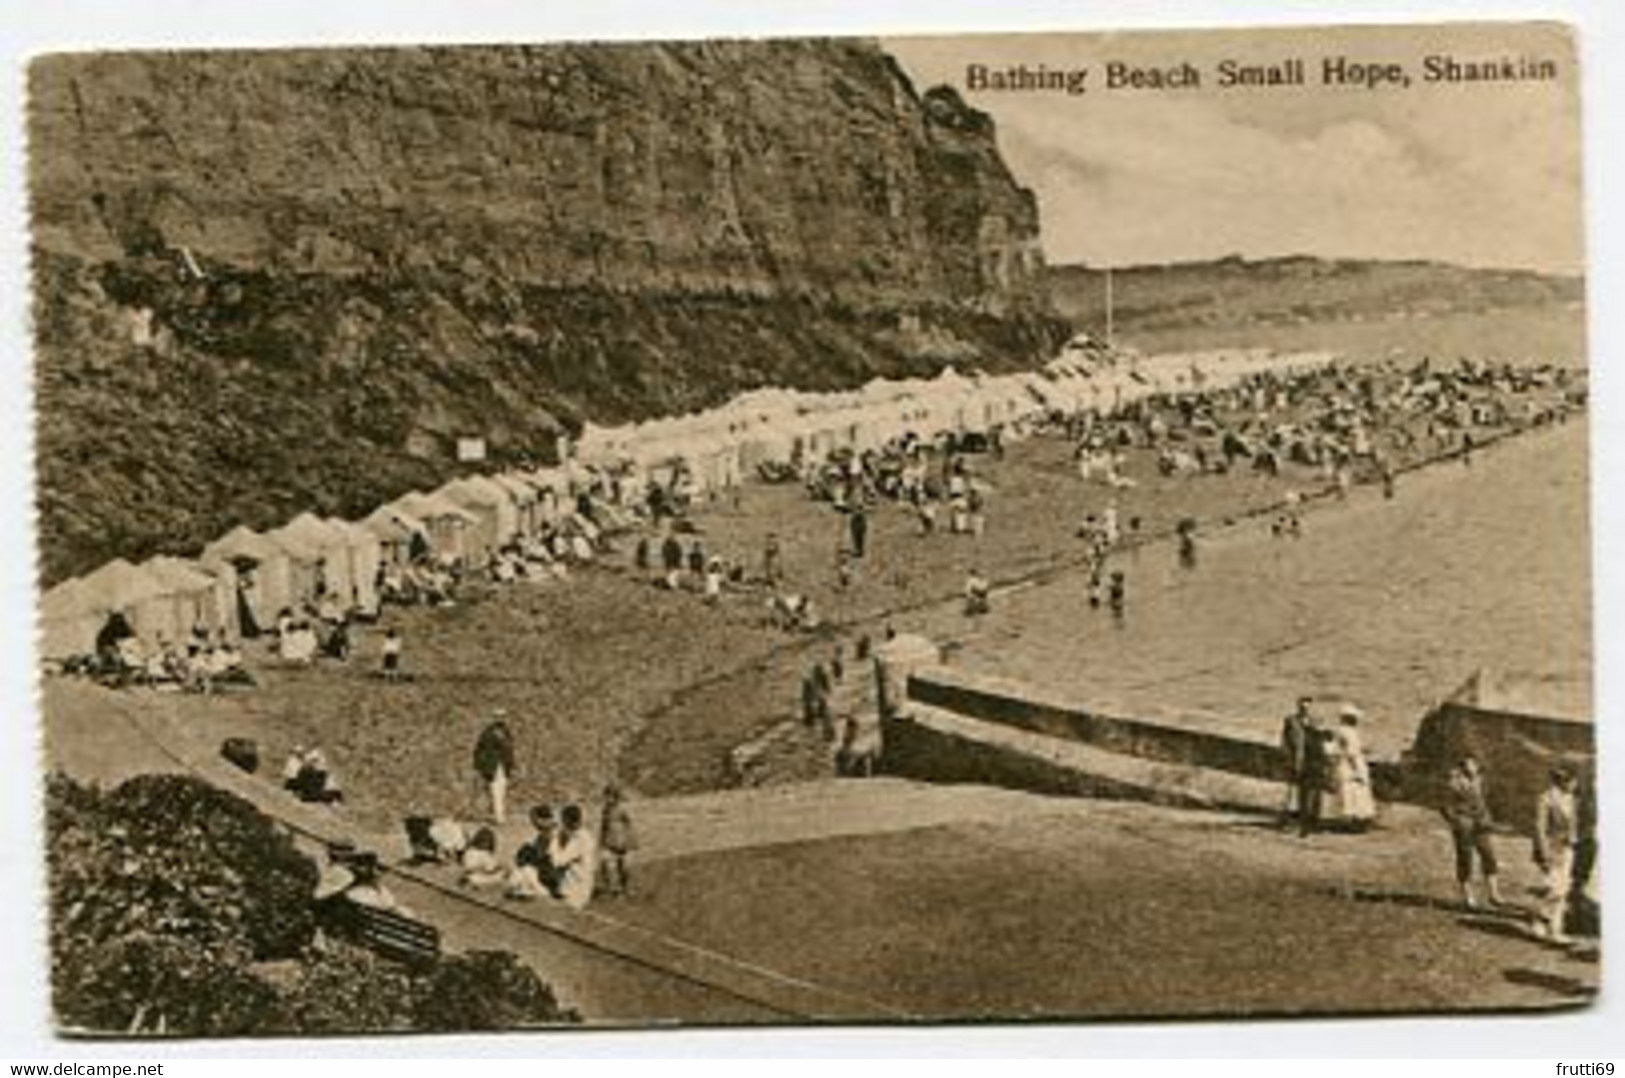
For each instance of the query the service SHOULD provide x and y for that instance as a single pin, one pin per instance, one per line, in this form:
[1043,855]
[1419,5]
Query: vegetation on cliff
[268,282]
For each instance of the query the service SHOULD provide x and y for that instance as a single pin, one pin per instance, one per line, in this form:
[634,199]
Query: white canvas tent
[394,529]
[187,599]
[304,566]
[366,557]
[334,589]
[525,499]
[448,524]
[496,516]
[264,572]
[68,623]
[119,587]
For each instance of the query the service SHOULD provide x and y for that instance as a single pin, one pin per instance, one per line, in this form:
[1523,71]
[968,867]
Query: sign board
[470,450]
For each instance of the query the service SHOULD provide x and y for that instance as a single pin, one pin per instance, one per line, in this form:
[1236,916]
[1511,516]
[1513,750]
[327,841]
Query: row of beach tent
[241,583]
[719,447]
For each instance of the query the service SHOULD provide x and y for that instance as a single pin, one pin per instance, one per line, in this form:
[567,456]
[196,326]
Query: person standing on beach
[1467,811]
[494,764]
[616,840]
[1117,597]
[978,593]
[772,571]
[1352,802]
[1556,831]
[1187,543]
[1294,734]
[1097,582]
[858,525]
[1312,779]
[392,655]
[671,560]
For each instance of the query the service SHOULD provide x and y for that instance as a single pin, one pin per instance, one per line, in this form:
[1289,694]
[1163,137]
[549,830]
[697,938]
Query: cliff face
[275,280]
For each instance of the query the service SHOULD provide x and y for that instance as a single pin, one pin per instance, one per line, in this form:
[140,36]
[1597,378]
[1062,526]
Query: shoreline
[1315,502]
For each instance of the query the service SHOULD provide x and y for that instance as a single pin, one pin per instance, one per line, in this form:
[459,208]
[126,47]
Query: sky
[1481,175]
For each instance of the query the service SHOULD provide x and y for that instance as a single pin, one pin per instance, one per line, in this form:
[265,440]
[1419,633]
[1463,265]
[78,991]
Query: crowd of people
[1338,425]
[841,704]
[206,663]
[1329,787]
[563,858]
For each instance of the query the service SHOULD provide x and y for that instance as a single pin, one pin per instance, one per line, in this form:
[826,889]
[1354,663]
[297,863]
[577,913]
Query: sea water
[1390,604]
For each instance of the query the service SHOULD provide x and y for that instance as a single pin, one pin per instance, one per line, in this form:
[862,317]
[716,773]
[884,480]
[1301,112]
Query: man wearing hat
[1467,810]
[1312,778]
[493,763]
[1557,827]
[1293,736]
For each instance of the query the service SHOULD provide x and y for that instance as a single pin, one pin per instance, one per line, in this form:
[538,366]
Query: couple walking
[1560,838]
[1328,778]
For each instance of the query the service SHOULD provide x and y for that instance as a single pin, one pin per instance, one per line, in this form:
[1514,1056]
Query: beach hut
[366,555]
[304,567]
[263,571]
[225,607]
[447,524]
[394,529]
[525,498]
[496,518]
[119,587]
[334,589]
[67,622]
[186,600]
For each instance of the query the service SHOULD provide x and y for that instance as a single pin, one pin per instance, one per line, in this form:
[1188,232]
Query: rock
[664,224]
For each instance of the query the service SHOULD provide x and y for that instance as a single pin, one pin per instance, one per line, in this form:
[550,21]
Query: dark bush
[273,880]
[346,989]
[486,990]
[179,909]
[157,984]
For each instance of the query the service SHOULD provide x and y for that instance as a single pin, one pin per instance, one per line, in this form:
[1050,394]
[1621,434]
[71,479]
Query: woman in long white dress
[1351,802]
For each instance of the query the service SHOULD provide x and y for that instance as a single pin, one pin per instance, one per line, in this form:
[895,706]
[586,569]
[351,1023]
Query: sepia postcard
[1028,527]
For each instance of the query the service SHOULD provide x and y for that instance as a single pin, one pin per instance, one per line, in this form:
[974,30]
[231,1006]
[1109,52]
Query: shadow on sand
[1561,984]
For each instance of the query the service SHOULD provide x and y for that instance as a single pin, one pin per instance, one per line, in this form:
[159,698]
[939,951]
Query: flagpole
[1109,327]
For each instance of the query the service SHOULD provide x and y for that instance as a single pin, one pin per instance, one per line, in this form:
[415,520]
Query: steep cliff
[274,280]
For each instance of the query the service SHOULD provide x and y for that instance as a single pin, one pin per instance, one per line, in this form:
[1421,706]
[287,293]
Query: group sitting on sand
[563,859]
[1344,423]
[207,663]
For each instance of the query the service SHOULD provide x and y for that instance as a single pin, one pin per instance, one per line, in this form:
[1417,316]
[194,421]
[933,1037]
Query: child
[1097,584]
[480,865]
[392,655]
[843,568]
[616,840]
[977,592]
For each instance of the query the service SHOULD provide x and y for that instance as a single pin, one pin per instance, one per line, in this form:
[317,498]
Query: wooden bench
[388,932]
[391,934]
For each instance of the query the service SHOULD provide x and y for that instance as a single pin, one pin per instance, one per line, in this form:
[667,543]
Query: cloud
[1482,176]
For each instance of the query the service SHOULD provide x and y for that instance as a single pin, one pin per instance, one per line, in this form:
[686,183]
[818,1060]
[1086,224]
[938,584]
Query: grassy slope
[1287,296]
